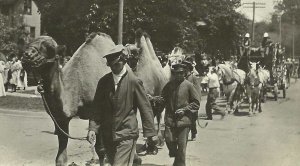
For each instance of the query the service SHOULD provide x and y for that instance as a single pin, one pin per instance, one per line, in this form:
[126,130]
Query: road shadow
[241,113]
[222,105]
[48,132]
[92,162]
[96,162]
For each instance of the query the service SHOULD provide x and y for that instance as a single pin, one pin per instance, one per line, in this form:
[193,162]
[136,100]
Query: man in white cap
[113,124]
[246,45]
[265,44]
[247,41]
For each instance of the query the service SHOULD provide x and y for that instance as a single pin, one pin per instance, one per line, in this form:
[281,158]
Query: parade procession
[149,83]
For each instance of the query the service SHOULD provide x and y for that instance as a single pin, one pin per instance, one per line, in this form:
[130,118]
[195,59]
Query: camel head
[133,53]
[40,52]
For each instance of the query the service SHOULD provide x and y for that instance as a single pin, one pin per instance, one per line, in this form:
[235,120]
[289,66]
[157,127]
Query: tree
[12,39]
[169,22]
[290,20]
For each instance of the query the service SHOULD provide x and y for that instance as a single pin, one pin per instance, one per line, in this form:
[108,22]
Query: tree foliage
[12,38]
[169,22]
[290,21]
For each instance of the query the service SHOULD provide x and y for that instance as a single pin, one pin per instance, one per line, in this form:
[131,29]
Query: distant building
[22,12]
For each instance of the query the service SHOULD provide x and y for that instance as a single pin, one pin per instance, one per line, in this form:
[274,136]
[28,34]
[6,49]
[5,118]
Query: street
[270,138]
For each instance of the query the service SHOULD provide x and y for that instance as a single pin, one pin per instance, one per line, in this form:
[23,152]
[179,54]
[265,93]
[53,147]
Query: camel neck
[51,75]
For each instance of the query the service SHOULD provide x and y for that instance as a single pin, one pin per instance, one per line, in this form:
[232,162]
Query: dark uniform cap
[113,56]
[188,64]
[178,68]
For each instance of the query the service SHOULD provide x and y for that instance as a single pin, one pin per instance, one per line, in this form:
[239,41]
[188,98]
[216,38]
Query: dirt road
[271,138]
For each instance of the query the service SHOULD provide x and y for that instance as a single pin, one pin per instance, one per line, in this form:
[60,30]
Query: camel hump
[82,73]
[148,63]
[43,40]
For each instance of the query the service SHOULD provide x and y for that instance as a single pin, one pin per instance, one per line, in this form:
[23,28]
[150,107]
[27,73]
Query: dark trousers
[176,140]
[211,103]
[121,153]
[194,128]
[118,153]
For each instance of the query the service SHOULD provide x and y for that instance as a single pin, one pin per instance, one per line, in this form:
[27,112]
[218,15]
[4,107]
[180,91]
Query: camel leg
[61,158]
[159,134]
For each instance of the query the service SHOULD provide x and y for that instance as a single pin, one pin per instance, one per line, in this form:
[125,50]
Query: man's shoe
[137,161]
[171,154]
[193,138]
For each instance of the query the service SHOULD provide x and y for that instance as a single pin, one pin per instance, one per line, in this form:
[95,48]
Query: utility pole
[254,5]
[280,34]
[279,14]
[295,7]
[120,23]
[293,36]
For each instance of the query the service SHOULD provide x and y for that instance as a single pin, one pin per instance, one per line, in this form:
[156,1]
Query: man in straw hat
[181,102]
[113,124]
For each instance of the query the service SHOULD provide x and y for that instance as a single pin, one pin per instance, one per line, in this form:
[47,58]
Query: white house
[22,12]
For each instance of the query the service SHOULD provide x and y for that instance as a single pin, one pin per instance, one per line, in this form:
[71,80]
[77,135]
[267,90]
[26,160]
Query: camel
[69,91]
[150,71]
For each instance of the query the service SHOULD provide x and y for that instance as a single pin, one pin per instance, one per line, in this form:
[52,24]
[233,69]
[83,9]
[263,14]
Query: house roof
[7,2]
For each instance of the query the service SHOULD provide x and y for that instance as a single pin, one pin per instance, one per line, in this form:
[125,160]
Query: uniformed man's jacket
[180,96]
[114,112]
[196,81]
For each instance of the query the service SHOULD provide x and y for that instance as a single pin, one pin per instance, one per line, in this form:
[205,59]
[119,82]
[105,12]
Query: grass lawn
[21,103]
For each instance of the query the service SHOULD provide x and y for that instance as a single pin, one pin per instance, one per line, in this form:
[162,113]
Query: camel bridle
[41,90]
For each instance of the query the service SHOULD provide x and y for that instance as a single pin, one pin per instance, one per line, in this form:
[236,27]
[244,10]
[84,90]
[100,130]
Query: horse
[257,77]
[68,92]
[232,85]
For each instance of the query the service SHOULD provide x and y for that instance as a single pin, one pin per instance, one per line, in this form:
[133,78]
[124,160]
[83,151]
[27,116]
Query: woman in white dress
[2,88]
[14,74]
[22,76]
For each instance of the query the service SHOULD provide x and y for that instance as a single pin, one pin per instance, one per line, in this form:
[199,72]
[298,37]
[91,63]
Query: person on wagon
[113,124]
[265,44]
[181,103]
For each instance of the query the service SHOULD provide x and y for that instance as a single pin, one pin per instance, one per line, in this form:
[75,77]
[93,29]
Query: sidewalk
[22,93]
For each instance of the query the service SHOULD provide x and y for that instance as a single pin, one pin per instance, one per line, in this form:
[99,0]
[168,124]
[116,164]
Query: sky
[261,14]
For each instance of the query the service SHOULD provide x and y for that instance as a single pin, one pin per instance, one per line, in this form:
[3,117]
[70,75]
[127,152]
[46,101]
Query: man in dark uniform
[113,123]
[182,103]
[191,77]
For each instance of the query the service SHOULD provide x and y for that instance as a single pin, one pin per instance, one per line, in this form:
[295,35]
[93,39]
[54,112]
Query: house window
[32,32]
[28,7]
